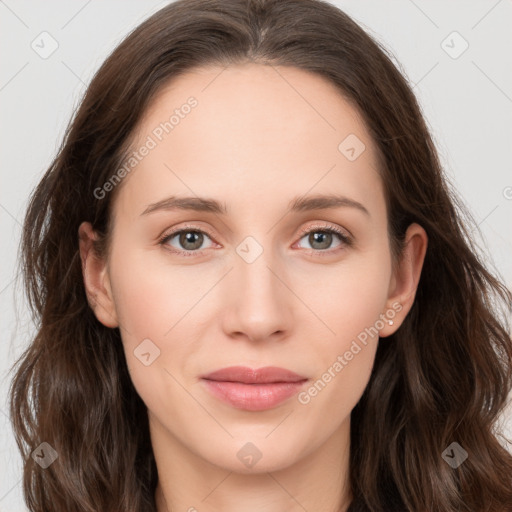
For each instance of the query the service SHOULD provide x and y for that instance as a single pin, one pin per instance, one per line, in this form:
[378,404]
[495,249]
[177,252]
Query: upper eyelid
[326,227]
[173,233]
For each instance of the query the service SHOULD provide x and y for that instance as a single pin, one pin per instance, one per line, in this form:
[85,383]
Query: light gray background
[467,102]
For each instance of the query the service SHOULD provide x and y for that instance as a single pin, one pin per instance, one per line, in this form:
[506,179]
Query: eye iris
[193,237]
[324,238]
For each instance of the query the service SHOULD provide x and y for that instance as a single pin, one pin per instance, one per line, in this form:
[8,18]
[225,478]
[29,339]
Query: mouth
[253,390]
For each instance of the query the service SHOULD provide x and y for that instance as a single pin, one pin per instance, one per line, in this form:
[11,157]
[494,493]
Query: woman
[192,352]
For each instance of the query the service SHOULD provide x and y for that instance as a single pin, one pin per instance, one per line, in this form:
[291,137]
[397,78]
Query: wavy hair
[443,377]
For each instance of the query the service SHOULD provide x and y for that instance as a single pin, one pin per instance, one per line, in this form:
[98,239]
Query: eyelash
[345,239]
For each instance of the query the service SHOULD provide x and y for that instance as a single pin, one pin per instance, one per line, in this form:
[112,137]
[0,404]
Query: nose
[258,300]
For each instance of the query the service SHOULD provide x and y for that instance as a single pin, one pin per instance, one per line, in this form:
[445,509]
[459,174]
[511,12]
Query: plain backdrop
[455,54]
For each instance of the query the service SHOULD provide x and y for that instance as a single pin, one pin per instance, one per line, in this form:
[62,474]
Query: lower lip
[253,397]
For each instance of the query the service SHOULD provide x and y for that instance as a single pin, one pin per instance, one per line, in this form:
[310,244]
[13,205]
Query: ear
[96,278]
[405,278]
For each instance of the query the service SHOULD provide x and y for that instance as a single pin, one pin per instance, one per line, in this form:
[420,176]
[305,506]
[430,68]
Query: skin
[293,307]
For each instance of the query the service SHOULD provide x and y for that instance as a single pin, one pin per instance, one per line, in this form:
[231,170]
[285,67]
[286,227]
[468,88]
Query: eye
[321,238]
[187,240]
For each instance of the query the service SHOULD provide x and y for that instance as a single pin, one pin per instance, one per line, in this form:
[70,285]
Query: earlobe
[405,278]
[96,278]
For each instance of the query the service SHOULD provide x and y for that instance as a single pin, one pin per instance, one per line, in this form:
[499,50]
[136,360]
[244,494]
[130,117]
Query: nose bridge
[252,268]
[259,306]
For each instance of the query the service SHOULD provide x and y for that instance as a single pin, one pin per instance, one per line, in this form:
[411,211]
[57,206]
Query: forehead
[252,128]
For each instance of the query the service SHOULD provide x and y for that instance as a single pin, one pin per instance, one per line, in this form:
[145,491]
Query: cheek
[349,297]
[154,304]
[152,298]
[349,302]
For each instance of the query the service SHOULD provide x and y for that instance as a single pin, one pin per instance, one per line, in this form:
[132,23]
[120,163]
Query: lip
[246,375]
[253,389]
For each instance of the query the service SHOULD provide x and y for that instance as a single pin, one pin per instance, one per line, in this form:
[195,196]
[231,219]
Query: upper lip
[248,375]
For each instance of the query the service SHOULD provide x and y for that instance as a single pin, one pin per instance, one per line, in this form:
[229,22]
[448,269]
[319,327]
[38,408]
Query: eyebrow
[298,204]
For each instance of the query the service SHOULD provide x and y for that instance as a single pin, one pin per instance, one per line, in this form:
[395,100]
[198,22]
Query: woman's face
[245,271]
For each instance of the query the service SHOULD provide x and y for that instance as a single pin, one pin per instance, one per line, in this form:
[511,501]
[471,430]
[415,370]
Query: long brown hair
[443,377]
